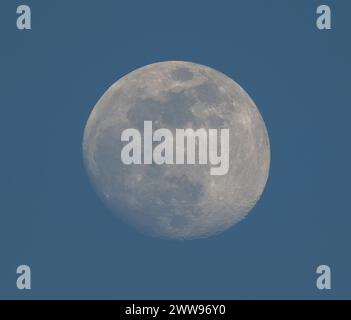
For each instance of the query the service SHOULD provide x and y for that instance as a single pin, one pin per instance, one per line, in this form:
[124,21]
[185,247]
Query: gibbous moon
[177,201]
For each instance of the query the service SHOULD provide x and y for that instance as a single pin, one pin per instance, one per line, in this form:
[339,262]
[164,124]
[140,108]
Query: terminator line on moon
[177,201]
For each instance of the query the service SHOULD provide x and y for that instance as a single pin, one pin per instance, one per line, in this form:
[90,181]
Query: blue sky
[50,217]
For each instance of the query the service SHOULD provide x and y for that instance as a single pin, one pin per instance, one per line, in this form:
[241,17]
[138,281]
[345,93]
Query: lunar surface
[177,201]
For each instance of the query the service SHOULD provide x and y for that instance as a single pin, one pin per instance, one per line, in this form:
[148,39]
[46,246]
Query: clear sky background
[50,217]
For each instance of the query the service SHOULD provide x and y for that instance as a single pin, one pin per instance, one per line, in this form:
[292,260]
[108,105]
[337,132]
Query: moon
[177,201]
